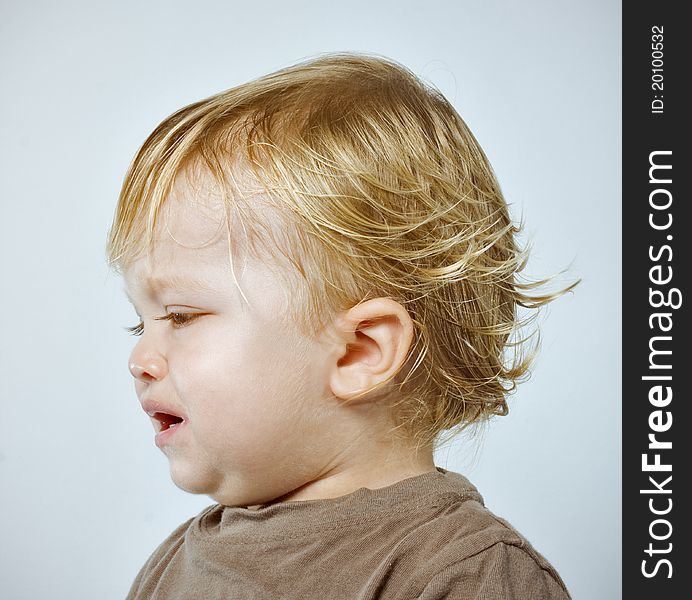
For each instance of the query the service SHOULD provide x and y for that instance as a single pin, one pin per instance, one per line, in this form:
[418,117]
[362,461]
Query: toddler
[325,274]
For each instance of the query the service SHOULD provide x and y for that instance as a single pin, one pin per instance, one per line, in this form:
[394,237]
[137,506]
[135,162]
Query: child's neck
[348,479]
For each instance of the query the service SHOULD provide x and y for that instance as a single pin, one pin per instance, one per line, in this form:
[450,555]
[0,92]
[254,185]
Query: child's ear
[374,340]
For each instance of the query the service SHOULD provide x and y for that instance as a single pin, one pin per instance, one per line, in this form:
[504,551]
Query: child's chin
[189,480]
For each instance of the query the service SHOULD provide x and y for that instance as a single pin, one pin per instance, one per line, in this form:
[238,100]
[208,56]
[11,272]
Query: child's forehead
[185,222]
[194,207]
[202,226]
[201,273]
[190,245]
[199,204]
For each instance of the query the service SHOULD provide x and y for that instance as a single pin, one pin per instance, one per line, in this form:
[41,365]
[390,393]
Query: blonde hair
[381,190]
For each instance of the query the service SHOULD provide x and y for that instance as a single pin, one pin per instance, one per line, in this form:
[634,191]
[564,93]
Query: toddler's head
[325,271]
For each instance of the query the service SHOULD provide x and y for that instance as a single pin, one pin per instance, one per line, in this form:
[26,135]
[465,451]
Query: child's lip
[163,437]
[151,407]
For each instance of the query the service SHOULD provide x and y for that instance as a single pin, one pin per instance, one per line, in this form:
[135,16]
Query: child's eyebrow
[156,285]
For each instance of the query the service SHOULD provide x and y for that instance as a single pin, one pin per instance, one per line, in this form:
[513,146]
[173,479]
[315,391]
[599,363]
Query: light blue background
[85,495]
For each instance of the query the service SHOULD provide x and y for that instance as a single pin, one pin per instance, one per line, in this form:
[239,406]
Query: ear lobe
[374,347]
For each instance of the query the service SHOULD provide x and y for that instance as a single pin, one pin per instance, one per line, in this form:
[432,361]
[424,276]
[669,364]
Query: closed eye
[177,319]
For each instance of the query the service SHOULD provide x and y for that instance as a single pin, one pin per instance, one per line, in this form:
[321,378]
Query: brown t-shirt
[425,537]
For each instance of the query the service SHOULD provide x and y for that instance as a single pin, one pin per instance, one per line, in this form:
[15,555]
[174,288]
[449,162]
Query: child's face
[259,418]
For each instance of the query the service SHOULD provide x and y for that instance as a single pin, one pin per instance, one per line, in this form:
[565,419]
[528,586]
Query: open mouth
[167,421]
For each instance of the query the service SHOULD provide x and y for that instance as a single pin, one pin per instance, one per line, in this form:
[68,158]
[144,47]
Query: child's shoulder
[469,544]
[455,546]
[465,526]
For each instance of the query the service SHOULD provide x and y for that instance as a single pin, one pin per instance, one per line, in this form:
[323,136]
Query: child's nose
[147,367]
